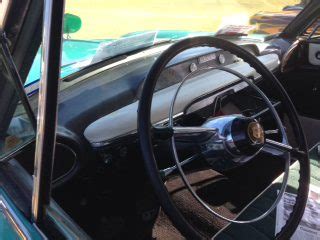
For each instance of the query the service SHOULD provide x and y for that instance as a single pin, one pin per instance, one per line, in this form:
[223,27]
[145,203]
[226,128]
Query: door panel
[13,225]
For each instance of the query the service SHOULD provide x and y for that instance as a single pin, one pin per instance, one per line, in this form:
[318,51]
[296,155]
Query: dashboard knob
[222,59]
[193,67]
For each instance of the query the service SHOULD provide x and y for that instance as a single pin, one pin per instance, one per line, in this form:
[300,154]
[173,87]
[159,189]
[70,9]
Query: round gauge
[222,59]
[193,67]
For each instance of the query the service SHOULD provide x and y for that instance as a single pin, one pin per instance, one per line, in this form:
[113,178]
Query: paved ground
[111,19]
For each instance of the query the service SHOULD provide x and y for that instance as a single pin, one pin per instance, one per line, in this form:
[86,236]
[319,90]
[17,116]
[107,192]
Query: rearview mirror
[71,24]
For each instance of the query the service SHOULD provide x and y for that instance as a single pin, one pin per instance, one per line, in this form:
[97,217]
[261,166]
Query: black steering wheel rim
[145,126]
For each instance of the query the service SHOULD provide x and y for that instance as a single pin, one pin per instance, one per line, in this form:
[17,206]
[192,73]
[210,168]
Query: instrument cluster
[175,73]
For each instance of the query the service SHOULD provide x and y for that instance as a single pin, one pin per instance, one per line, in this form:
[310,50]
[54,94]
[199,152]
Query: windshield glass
[98,30]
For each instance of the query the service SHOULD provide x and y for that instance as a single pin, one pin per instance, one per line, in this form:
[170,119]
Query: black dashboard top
[88,100]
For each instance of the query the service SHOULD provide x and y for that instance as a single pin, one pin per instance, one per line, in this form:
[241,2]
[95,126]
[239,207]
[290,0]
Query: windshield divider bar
[47,107]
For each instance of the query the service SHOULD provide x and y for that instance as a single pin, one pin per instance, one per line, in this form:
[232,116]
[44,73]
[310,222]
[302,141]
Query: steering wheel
[237,136]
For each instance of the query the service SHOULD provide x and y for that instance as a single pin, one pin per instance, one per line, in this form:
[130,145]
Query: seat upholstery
[265,229]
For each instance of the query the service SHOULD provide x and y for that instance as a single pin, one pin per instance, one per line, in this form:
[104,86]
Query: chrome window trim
[17,150]
[47,107]
[16,223]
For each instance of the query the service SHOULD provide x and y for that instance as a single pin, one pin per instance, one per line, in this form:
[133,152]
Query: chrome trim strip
[14,219]
[40,232]
[193,130]
[65,224]
[166,120]
[17,150]
[110,141]
[47,107]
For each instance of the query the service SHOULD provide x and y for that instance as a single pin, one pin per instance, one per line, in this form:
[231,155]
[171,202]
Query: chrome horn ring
[280,127]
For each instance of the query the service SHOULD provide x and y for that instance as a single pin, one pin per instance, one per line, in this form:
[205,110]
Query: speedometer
[207,58]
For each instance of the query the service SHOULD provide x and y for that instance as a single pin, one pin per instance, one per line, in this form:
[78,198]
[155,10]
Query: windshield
[98,30]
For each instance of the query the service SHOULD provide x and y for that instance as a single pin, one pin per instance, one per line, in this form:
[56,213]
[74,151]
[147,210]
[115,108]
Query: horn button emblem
[255,133]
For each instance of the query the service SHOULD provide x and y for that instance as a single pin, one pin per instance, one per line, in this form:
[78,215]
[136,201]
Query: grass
[103,19]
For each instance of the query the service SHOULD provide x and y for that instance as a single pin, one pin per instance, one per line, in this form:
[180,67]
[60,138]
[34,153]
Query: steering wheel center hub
[256,133]
[237,140]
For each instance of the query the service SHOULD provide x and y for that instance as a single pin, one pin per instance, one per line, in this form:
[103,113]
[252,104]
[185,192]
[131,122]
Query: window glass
[16,128]
[98,30]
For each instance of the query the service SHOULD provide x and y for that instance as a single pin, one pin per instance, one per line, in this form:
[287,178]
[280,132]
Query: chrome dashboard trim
[133,133]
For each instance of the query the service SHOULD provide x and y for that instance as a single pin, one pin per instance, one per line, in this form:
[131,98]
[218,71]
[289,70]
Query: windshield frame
[302,21]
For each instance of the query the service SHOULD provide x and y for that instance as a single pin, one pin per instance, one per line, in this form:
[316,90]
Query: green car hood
[74,51]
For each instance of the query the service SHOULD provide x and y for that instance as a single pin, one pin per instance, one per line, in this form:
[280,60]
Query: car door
[13,224]
[20,205]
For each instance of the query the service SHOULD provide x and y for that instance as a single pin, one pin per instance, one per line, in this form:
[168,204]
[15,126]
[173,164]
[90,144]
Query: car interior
[100,178]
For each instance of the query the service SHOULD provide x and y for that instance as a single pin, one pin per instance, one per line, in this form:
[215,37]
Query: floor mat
[226,195]
[210,186]
[265,229]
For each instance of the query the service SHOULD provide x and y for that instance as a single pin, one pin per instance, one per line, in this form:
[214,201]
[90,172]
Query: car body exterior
[272,22]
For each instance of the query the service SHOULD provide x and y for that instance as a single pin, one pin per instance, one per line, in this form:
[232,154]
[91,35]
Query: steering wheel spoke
[279,145]
[168,171]
[285,147]
[271,132]
[185,134]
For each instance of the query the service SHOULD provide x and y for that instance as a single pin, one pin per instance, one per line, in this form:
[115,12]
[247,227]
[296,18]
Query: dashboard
[99,109]
[124,120]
